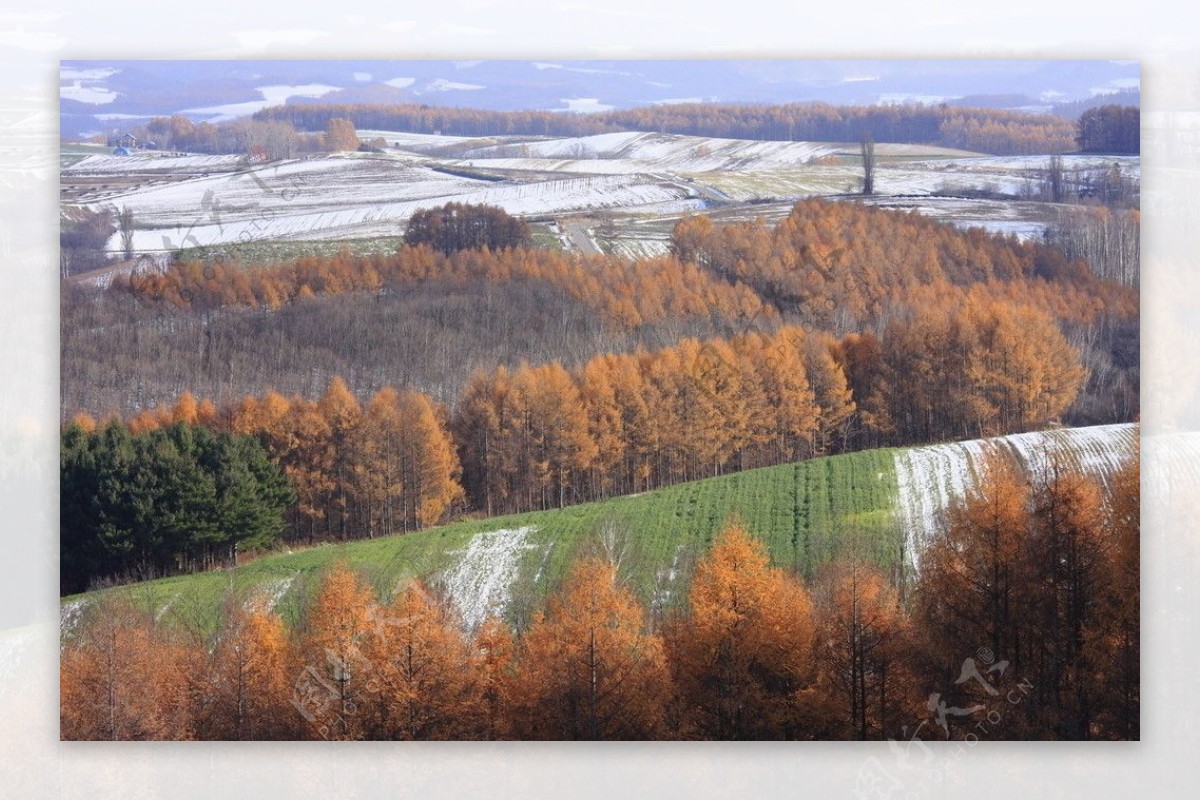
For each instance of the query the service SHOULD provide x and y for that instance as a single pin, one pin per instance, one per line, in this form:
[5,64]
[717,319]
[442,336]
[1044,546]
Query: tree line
[541,437]
[1022,624]
[268,140]
[848,269]
[624,293]
[357,470]
[836,267]
[989,130]
[1109,239]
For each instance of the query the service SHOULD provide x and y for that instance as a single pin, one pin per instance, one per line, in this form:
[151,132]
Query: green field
[804,512]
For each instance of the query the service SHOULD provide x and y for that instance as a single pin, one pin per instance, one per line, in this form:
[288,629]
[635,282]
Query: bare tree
[1055,179]
[125,223]
[868,159]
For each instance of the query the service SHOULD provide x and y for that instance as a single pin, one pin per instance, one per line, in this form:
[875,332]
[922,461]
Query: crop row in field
[883,503]
[804,512]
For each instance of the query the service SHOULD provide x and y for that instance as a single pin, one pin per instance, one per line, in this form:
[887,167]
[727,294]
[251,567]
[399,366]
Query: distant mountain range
[102,95]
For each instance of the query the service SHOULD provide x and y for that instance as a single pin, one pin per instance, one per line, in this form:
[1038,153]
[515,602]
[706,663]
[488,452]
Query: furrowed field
[801,510]
[806,512]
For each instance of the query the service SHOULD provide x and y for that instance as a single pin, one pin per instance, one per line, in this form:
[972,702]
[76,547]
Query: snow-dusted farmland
[1024,219]
[151,162]
[635,151]
[191,200]
[931,479]
[345,197]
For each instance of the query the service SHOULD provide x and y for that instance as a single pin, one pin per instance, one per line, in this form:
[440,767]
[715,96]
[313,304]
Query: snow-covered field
[1024,219]
[638,151]
[150,162]
[356,196]
[635,248]
[406,142]
[181,201]
[480,584]
[931,479]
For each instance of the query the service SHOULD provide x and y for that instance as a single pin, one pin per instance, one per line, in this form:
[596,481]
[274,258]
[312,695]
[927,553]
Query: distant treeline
[259,140]
[988,130]
[1111,129]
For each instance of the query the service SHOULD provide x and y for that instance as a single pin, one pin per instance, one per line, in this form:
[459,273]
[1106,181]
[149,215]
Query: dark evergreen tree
[171,499]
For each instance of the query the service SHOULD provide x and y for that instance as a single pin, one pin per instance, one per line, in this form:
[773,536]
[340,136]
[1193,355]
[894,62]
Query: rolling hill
[889,500]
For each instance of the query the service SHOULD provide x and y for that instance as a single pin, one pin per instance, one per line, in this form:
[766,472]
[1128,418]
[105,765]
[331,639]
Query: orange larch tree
[424,683]
[339,621]
[743,657]
[588,669]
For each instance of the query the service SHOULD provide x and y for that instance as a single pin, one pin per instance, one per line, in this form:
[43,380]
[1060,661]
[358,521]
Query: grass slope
[802,510]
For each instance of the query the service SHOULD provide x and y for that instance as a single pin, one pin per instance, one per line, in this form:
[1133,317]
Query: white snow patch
[279,94]
[545,65]
[362,76]
[639,151]
[166,607]
[901,98]
[930,479]
[584,105]
[268,594]
[95,74]
[443,85]
[93,95]
[666,581]
[69,615]
[272,96]
[401,83]
[480,585]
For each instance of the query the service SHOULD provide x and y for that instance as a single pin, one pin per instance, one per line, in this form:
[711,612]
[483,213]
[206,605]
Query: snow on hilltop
[645,151]
[930,479]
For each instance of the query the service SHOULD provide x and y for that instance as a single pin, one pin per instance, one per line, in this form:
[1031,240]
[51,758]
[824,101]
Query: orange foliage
[624,293]
[743,658]
[588,669]
[122,679]
[423,684]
